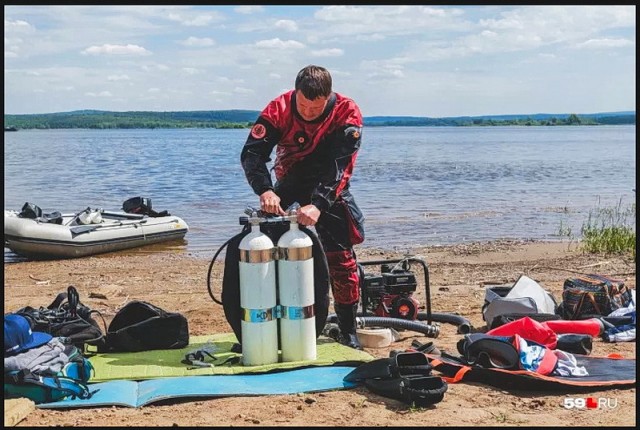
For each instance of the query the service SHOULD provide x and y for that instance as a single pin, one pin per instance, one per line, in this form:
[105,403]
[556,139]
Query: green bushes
[610,230]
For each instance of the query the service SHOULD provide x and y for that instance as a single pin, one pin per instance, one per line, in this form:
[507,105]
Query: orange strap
[457,377]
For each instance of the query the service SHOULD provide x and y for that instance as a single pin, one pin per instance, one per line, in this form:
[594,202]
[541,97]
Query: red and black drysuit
[314,162]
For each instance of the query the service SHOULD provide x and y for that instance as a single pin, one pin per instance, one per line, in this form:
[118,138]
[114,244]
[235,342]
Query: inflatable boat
[34,235]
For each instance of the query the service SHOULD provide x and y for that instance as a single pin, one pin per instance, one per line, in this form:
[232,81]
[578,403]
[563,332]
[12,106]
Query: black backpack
[68,318]
[141,326]
[32,211]
[142,206]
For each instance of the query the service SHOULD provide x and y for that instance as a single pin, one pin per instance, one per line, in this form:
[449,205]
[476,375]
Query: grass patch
[610,230]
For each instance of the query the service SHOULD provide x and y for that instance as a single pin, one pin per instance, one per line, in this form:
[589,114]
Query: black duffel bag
[141,326]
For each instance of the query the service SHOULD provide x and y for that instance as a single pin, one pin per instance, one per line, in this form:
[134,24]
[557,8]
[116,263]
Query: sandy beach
[176,281]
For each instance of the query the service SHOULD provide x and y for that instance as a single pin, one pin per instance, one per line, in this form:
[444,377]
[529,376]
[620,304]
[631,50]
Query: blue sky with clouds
[433,61]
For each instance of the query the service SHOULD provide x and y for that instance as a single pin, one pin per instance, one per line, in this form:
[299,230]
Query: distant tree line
[112,120]
[536,120]
[572,119]
[94,119]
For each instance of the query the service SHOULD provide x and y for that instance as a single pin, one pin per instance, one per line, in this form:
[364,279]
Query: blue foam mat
[136,394]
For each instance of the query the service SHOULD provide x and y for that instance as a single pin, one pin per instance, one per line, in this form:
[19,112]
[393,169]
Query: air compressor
[390,293]
[276,293]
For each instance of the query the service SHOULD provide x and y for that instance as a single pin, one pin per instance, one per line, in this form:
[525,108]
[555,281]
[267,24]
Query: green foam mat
[168,362]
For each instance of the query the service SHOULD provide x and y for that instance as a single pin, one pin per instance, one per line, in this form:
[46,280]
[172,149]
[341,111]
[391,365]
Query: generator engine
[389,293]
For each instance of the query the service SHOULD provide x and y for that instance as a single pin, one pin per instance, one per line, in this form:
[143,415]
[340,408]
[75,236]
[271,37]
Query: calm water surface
[417,186]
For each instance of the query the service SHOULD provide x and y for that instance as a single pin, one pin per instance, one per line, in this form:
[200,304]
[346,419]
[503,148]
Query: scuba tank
[258,297]
[296,295]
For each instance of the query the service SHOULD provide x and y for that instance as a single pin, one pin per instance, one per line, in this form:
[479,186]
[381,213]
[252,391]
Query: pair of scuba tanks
[276,283]
[275,291]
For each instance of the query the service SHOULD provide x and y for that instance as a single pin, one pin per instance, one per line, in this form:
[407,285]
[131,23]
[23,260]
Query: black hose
[396,323]
[464,326]
[213,260]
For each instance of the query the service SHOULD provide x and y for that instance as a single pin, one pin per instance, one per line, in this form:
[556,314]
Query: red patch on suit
[258,131]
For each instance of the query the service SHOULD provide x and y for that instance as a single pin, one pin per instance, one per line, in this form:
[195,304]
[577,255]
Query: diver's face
[310,109]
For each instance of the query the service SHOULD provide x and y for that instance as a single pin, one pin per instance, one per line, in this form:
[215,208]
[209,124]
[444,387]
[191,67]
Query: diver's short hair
[314,82]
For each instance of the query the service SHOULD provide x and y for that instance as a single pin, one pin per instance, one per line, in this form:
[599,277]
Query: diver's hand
[270,203]
[308,215]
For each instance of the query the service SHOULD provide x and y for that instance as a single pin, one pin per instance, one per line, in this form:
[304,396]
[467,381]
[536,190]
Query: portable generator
[390,292]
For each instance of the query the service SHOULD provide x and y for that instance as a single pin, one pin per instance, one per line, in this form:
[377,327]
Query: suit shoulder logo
[258,131]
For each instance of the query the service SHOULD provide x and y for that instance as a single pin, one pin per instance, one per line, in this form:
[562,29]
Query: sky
[428,61]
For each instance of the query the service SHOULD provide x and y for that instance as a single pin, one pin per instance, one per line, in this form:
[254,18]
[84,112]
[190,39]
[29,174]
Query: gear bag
[525,297]
[46,387]
[141,326]
[141,206]
[32,211]
[68,318]
[592,295]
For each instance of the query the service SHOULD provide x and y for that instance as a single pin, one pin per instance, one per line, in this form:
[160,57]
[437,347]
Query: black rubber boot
[346,315]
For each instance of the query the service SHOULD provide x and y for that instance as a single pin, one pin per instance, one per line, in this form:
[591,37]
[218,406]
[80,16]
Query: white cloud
[248,10]
[553,24]
[100,94]
[194,20]
[362,21]
[154,67]
[605,43]
[241,90]
[506,55]
[190,70]
[388,71]
[17,26]
[115,78]
[286,24]
[198,41]
[279,44]
[330,52]
[108,49]
[375,37]
[226,80]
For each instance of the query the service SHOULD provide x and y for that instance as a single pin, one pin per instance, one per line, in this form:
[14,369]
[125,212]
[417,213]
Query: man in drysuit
[317,134]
